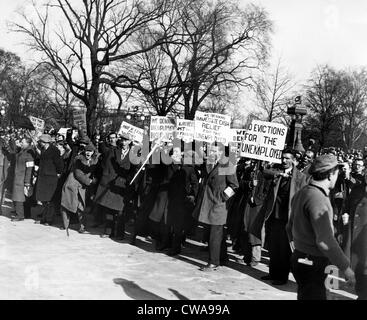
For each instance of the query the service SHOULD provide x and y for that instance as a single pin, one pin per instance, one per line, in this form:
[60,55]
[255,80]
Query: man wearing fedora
[114,189]
[50,169]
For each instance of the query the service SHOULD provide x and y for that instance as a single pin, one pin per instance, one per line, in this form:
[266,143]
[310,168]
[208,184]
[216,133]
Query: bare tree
[272,92]
[354,120]
[92,36]
[210,47]
[325,94]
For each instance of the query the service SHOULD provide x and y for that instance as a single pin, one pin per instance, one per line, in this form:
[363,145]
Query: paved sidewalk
[40,262]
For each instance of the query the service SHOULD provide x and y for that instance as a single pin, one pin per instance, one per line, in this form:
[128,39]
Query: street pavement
[40,262]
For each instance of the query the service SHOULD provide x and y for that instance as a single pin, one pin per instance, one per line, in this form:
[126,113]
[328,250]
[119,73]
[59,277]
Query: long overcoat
[24,165]
[355,233]
[183,184]
[298,181]
[212,206]
[117,173]
[75,186]
[50,166]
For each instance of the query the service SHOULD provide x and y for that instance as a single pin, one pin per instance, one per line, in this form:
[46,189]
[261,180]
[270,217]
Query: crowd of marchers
[308,212]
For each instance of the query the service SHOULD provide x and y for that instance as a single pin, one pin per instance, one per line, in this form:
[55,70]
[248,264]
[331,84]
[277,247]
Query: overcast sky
[306,33]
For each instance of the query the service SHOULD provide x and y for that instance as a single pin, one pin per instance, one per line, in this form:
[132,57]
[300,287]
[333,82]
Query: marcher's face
[113,139]
[215,153]
[125,143]
[24,144]
[88,154]
[359,167]
[287,160]
[176,155]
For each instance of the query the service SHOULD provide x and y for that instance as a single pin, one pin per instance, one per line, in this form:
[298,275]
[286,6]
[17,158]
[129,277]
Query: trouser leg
[310,278]
[177,238]
[48,212]
[215,242]
[120,224]
[246,247]
[81,219]
[98,214]
[361,286]
[19,209]
[27,208]
[279,251]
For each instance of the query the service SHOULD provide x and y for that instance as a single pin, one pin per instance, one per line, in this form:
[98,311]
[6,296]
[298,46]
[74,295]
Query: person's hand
[58,175]
[255,183]
[350,277]
[345,218]
[191,199]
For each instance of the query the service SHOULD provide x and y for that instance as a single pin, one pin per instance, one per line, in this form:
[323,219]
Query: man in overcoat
[22,185]
[50,169]
[355,235]
[219,185]
[114,188]
[275,212]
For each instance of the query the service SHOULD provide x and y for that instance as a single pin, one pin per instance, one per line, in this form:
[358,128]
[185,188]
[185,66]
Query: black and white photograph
[203,152]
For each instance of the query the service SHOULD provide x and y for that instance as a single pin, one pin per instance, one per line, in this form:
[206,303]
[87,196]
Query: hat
[125,136]
[90,147]
[323,163]
[46,138]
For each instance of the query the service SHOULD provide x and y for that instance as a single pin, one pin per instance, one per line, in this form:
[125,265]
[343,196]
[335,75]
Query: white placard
[211,127]
[264,141]
[235,139]
[39,124]
[162,128]
[135,133]
[185,129]
[63,131]
[80,117]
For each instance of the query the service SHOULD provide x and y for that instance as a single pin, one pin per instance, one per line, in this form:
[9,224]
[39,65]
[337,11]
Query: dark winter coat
[24,165]
[114,185]
[298,181]
[74,189]
[355,233]
[50,166]
[212,206]
[182,185]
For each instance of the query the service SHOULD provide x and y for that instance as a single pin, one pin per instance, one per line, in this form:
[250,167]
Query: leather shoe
[268,277]
[17,219]
[279,282]
[209,267]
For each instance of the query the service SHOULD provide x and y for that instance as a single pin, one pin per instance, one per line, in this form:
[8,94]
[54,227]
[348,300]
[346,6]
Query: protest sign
[185,129]
[135,133]
[63,131]
[39,124]
[264,141]
[80,117]
[235,139]
[211,127]
[162,128]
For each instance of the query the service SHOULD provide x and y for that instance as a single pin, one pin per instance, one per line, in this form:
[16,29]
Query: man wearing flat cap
[50,169]
[311,232]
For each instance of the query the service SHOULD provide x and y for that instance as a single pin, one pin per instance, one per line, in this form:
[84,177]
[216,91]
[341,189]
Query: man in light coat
[219,184]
